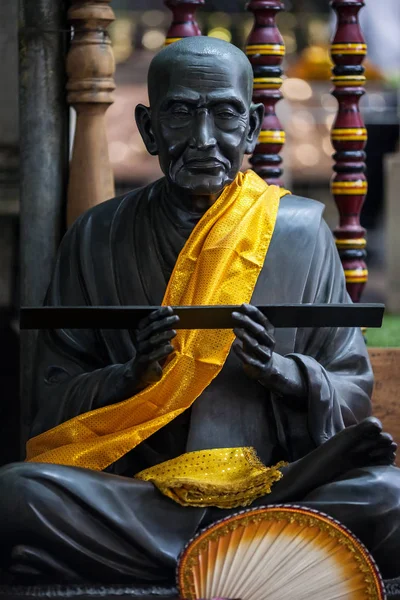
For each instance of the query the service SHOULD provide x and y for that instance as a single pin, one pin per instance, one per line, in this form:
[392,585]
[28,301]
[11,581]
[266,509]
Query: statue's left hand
[255,341]
[255,344]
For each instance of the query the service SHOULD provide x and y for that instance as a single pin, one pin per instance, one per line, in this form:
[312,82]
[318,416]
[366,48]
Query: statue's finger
[156,315]
[160,338]
[263,336]
[161,353]
[243,321]
[144,347]
[165,324]
[263,353]
[246,358]
[256,314]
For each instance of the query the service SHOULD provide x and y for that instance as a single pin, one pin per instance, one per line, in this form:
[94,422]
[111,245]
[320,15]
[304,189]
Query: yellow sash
[219,264]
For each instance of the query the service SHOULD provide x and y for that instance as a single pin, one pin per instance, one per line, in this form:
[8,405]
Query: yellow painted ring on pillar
[350,134]
[349,80]
[169,41]
[356,275]
[349,188]
[349,48]
[261,83]
[272,49]
[272,137]
[350,244]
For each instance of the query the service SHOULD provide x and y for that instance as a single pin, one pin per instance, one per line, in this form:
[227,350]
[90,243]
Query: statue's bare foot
[361,445]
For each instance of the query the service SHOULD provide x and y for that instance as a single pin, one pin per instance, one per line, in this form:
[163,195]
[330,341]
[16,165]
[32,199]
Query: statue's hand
[255,341]
[255,344]
[153,345]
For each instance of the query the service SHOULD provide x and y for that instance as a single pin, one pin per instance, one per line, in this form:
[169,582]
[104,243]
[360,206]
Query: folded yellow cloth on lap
[221,477]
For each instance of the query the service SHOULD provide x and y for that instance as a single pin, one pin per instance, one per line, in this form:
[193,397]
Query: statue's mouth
[209,164]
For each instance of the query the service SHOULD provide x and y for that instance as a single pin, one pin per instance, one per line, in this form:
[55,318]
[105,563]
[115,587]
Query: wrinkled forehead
[201,76]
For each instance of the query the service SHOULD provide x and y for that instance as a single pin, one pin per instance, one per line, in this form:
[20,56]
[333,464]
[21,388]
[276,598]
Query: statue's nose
[202,136]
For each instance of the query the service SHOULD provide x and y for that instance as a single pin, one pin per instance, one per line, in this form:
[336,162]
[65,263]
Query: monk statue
[144,435]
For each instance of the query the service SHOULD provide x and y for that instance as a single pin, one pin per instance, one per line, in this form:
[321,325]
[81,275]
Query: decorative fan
[278,552]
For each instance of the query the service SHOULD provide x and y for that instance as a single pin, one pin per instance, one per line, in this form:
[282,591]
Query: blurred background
[307,113]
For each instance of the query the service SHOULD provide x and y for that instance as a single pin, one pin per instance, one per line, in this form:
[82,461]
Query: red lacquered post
[265,50]
[184,22]
[349,136]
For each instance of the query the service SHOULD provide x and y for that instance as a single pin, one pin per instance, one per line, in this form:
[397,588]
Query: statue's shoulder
[104,216]
[104,213]
[298,215]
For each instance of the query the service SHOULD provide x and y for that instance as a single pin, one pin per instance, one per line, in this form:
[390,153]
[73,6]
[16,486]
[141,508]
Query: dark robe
[76,524]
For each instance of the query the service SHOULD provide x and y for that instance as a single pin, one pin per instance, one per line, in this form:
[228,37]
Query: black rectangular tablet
[201,317]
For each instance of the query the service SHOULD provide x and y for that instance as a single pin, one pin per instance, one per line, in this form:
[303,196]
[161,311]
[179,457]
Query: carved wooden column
[349,184]
[184,22]
[265,50]
[90,68]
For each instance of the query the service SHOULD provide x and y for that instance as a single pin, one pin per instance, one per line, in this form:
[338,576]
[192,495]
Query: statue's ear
[256,119]
[143,122]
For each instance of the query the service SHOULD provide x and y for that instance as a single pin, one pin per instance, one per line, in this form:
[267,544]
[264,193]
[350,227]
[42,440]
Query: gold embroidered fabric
[221,477]
[219,264]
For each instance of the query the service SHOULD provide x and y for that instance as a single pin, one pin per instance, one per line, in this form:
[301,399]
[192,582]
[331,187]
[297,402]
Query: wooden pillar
[349,184]
[90,68]
[43,164]
[183,22]
[265,50]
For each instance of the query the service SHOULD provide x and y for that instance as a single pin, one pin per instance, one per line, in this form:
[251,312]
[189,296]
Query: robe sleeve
[334,361]
[74,370]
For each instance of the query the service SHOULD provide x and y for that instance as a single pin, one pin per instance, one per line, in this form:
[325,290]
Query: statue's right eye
[180,111]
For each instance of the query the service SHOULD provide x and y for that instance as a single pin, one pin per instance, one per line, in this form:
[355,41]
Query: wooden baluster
[184,22]
[265,50]
[90,68]
[349,183]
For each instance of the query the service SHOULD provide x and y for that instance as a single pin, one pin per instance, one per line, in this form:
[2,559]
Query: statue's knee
[13,478]
[11,471]
[382,494]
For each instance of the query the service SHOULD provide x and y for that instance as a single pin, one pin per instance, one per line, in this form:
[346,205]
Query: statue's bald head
[201,120]
[194,52]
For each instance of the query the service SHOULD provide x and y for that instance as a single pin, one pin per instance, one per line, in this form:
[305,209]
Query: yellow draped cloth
[219,264]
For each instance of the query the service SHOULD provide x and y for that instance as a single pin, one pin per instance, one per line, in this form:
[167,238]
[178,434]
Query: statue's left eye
[225,114]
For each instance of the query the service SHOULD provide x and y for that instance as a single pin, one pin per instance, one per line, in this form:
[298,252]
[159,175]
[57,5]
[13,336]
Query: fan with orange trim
[279,552]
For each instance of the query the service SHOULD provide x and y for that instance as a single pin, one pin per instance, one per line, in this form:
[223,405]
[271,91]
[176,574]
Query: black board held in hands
[201,317]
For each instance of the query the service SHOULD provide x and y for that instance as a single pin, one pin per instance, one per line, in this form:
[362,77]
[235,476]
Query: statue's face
[202,122]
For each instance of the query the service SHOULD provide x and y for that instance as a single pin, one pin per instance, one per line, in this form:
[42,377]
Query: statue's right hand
[153,345]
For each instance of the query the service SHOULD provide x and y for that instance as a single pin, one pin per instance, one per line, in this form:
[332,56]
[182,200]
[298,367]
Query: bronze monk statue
[291,407]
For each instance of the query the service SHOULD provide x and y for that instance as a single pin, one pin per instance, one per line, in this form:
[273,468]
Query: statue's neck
[192,203]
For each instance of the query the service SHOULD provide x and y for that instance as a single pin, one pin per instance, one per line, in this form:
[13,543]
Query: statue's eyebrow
[195,100]
[185,99]
[221,99]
